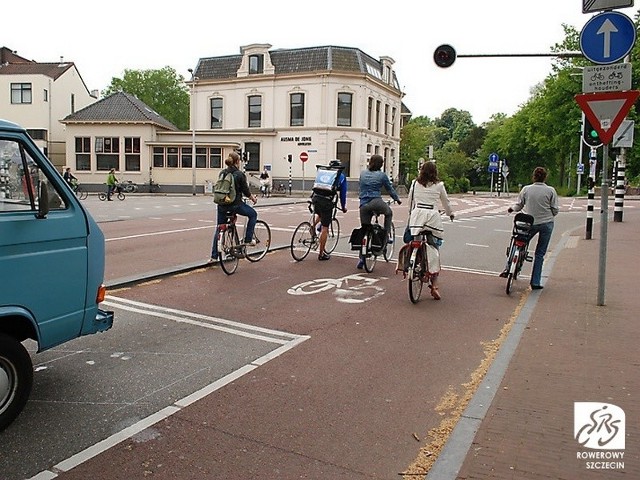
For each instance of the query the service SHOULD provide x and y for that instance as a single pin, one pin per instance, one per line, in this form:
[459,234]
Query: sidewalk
[564,349]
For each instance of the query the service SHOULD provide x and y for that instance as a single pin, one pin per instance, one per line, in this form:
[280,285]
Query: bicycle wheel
[369,259]
[333,236]
[388,251]
[81,193]
[415,274]
[102,196]
[121,196]
[301,241]
[227,246]
[513,269]
[262,236]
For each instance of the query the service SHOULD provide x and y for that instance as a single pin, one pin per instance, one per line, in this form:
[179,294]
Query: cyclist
[425,192]
[70,178]
[112,183]
[238,206]
[371,182]
[540,201]
[324,197]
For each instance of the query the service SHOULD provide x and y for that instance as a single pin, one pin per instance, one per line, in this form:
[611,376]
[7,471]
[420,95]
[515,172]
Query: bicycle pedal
[529,258]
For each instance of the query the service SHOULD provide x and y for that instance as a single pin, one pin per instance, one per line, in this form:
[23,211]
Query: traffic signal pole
[604,216]
[592,192]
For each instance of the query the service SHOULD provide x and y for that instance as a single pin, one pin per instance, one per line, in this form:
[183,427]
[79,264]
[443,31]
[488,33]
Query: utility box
[208,186]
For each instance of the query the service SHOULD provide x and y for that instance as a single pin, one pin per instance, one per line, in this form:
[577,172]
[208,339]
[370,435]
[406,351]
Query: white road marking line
[151,234]
[476,245]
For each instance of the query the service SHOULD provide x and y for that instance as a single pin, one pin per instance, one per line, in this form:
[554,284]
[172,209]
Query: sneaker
[250,243]
[324,256]
[389,241]
[536,287]
[360,265]
[504,274]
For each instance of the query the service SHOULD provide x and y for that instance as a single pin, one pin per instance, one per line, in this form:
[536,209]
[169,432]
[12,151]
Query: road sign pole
[592,192]
[491,189]
[604,216]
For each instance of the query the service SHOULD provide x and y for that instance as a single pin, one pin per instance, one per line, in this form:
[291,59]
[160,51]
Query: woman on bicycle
[371,182]
[238,206]
[425,192]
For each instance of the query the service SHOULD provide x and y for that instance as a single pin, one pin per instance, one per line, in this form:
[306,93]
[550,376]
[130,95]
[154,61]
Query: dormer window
[256,64]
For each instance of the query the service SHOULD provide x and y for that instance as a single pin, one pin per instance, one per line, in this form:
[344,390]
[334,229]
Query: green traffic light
[593,134]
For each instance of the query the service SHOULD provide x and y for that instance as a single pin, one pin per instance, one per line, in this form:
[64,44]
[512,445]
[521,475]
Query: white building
[38,95]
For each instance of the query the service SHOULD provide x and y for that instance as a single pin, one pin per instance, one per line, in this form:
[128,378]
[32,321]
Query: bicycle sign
[354,288]
[606,78]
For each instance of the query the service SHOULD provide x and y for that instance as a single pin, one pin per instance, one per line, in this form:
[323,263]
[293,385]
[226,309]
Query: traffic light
[590,135]
[444,56]
[289,158]
[245,157]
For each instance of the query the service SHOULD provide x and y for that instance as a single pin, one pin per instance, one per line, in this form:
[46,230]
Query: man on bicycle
[238,206]
[69,178]
[330,185]
[371,182]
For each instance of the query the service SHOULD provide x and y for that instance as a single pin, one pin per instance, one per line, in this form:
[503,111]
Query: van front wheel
[16,379]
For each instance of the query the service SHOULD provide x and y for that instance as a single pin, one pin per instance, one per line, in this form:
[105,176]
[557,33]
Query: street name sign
[606,78]
[607,38]
[606,110]
[589,6]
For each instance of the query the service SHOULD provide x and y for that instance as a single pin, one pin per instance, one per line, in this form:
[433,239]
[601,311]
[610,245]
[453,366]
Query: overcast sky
[105,38]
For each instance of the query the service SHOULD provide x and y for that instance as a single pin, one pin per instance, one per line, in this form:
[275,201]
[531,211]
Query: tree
[162,90]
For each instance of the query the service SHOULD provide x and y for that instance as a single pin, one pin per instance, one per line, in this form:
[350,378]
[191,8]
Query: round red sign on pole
[304,156]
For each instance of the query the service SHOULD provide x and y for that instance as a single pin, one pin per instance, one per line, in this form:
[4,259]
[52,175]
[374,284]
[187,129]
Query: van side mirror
[43,200]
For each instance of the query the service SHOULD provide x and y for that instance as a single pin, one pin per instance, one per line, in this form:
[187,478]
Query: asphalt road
[328,368]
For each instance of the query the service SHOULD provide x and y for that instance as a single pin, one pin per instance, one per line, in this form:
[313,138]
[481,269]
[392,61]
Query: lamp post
[192,121]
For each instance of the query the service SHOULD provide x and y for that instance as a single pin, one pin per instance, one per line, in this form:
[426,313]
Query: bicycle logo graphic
[354,288]
[599,425]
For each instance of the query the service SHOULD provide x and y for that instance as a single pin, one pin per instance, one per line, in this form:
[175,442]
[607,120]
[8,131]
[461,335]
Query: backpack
[224,191]
[327,181]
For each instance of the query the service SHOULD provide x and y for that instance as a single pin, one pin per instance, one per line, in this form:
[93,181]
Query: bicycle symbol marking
[353,288]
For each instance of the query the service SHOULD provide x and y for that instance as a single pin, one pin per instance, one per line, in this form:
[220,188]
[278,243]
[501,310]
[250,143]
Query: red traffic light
[444,56]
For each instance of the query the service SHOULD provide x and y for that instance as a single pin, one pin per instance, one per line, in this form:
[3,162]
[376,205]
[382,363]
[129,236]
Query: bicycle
[418,269]
[517,251]
[129,187]
[231,250]
[306,237]
[80,192]
[102,196]
[371,248]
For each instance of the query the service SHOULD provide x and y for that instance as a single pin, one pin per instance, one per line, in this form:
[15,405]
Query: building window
[20,93]
[344,109]
[45,95]
[297,110]
[37,133]
[343,153]
[83,153]
[132,154]
[393,122]
[216,113]
[158,157]
[378,113]
[386,119]
[255,111]
[253,149]
[215,157]
[106,162]
[107,145]
[201,157]
[172,157]
[185,157]
[73,103]
[369,112]
[256,64]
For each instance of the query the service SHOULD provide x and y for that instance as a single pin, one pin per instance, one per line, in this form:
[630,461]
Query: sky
[103,38]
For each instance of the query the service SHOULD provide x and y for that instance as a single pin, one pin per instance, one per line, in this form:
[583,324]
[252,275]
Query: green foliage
[162,90]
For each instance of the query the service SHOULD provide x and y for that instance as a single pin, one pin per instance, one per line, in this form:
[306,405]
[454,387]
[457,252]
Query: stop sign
[304,156]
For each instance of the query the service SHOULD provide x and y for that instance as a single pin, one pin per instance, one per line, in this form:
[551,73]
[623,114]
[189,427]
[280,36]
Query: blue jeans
[544,231]
[242,209]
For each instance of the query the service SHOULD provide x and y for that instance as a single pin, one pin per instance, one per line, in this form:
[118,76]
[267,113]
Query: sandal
[434,292]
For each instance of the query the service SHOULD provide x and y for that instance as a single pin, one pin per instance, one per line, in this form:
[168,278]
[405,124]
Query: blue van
[51,265]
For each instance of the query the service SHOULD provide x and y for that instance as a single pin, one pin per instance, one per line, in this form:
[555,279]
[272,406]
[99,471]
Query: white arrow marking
[607,29]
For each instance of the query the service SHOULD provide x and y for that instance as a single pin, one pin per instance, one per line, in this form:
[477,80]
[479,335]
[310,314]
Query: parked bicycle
[306,236]
[129,187]
[79,190]
[116,192]
[518,249]
[231,249]
[375,243]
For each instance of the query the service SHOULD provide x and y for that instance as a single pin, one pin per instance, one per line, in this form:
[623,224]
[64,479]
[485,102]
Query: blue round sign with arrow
[607,38]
